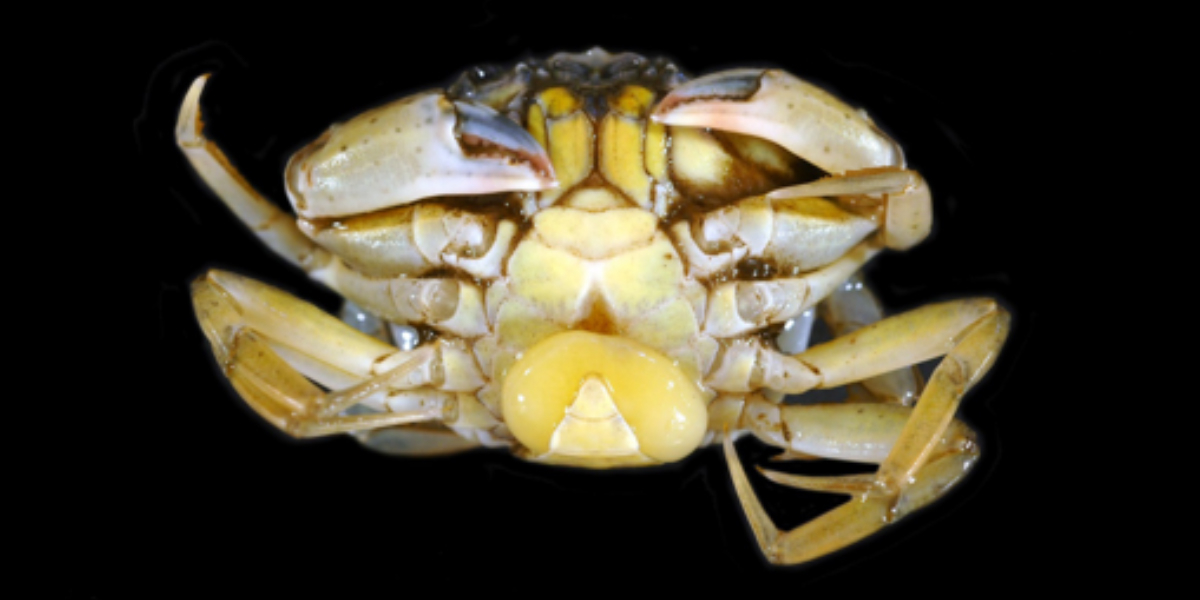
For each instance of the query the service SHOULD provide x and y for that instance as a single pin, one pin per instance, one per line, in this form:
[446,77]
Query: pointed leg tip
[189,126]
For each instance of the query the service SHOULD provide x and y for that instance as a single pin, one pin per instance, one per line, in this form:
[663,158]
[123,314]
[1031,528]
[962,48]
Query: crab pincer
[816,126]
[418,147]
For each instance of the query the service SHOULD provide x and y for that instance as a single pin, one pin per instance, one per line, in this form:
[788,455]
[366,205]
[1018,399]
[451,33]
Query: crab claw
[774,105]
[421,146]
[814,125]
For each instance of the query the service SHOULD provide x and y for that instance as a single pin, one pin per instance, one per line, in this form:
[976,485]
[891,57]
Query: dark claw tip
[735,84]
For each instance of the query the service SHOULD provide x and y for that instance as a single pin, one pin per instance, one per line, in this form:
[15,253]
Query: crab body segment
[600,253]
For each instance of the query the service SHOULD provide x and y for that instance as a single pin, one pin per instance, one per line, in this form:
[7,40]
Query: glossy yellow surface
[557,122]
[598,378]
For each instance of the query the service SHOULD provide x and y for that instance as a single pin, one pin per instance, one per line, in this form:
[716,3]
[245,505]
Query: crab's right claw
[419,147]
[814,125]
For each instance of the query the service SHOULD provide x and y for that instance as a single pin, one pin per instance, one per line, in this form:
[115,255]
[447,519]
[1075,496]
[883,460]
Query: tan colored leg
[917,467]
[867,512]
[252,328]
[851,307]
[274,227]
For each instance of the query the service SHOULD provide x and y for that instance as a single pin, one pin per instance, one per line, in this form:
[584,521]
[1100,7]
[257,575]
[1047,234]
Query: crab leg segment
[453,306]
[851,307]
[746,365]
[918,459]
[737,307]
[794,234]
[867,512]
[270,343]
[274,227]
[413,240]
[903,197]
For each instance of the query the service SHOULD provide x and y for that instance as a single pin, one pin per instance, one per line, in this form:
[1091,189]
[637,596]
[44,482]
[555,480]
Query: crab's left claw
[816,126]
[422,146]
[777,106]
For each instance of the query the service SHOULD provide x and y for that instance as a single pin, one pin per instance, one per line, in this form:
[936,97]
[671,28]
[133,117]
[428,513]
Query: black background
[171,484]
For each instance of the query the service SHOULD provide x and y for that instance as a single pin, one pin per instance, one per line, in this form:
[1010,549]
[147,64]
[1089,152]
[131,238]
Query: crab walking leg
[851,307]
[914,469]
[866,513]
[274,227]
[252,328]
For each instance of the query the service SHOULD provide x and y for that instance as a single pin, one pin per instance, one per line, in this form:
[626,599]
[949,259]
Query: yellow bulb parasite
[598,400]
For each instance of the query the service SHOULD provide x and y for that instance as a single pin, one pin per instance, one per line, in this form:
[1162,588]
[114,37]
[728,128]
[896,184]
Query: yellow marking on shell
[815,208]
[536,124]
[663,407]
[637,281]
[632,101]
[621,160]
[595,235]
[559,102]
[571,152]
[656,150]
[697,157]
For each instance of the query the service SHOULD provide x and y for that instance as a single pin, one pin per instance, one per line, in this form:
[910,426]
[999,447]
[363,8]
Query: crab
[596,262]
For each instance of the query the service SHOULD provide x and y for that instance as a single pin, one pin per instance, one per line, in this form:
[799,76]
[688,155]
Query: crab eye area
[579,377]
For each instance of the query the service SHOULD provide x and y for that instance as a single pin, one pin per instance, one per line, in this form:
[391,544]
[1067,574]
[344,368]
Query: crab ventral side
[599,253]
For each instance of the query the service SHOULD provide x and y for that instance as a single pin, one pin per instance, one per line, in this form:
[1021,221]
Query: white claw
[414,148]
[774,105]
